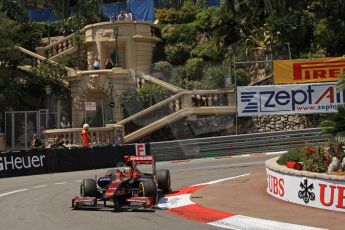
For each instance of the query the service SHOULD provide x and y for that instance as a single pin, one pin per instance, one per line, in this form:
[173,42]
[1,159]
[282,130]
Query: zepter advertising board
[288,99]
[306,71]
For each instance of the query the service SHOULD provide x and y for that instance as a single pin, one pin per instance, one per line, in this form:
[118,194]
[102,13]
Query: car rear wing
[141,159]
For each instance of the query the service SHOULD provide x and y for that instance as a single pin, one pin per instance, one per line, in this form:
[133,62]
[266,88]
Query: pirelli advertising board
[288,99]
[306,71]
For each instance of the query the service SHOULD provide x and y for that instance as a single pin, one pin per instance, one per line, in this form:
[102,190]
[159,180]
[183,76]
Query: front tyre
[163,179]
[147,188]
[88,188]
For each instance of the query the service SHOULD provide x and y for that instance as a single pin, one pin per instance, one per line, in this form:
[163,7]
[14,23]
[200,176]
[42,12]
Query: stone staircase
[182,104]
[179,106]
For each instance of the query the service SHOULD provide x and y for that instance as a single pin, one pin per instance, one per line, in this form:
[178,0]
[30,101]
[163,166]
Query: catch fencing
[235,144]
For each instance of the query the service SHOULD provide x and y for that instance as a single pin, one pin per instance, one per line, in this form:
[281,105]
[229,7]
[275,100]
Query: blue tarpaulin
[142,9]
[41,15]
[108,9]
[213,2]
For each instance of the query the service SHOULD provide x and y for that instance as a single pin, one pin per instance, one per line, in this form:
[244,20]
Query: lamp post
[48,90]
[228,80]
[48,32]
[116,34]
[289,50]
[111,103]
[77,34]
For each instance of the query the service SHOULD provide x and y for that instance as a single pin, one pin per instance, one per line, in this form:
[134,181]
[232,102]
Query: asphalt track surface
[42,202]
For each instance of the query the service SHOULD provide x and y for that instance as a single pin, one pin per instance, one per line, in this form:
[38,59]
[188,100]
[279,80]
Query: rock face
[273,123]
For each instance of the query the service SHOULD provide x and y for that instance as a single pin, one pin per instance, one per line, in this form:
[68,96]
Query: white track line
[16,191]
[58,183]
[41,186]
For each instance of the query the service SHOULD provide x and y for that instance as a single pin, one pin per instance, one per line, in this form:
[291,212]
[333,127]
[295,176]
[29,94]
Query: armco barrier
[19,163]
[235,144]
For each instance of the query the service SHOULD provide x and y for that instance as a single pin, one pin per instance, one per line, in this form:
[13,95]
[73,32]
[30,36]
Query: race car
[125,187]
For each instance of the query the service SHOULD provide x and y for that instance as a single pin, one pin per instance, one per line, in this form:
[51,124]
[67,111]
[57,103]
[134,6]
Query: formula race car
[125,187]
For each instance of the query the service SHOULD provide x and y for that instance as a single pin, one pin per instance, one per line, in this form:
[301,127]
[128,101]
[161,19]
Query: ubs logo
[306,193]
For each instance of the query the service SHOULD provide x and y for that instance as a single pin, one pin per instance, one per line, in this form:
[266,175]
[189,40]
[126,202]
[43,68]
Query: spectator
[128,16]
[58,142]
[113,17]
[109,63]
[85,135]
[36,142]
[64,123]
[96,63]
[121,16]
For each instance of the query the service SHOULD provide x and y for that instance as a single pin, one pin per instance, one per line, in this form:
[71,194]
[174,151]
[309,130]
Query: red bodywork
[118,187]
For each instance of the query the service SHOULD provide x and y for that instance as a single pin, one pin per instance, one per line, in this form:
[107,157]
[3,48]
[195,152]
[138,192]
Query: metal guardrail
[235,144]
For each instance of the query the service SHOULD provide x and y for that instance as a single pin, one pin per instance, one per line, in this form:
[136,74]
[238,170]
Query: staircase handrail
[159,82]
[150,109]
[39,57]
[170,99]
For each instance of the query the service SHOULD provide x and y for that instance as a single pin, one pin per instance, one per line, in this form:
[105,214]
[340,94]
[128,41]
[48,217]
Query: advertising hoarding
[313,192]
[288,99]
[307,71]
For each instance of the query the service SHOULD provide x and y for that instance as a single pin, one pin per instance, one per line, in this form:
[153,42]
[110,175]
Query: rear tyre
[163,179]
[148,188]
[88,188]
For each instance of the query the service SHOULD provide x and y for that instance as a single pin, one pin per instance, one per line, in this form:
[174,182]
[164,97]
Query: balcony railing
[72,136]
[60,46]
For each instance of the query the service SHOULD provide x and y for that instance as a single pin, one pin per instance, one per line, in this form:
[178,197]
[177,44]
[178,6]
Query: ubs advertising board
[313,192]
[307,71]
[288,99]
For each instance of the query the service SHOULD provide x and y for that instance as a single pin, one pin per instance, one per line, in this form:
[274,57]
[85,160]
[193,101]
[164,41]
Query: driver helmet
[127,171]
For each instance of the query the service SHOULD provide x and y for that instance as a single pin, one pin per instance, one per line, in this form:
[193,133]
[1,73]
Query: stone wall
[284,122]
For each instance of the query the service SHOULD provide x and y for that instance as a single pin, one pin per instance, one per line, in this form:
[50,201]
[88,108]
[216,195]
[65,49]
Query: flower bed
[323,158]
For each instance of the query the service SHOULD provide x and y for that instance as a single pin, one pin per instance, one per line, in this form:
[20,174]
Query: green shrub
[209,51]
[214,77]
[162,66]
[195,68]
[178,75]
[296,155]
[242,77]
[167,15]
[179,33]
[178,53]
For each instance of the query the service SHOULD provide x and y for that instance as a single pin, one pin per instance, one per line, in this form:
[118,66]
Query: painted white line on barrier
[40,186]
[60,183]
[249,223]
[16,191]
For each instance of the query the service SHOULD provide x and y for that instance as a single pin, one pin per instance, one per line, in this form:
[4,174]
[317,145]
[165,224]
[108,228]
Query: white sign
[140,149]
[90,106]
[288,99]
[313,192]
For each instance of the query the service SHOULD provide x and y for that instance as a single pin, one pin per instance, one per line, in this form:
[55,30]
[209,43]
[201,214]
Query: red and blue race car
[124,187]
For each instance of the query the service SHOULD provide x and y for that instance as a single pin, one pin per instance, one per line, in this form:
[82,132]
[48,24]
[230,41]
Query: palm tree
[335,122]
